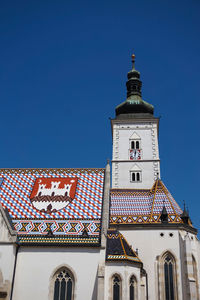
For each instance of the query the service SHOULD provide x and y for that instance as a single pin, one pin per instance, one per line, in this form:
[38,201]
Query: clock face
[135,154]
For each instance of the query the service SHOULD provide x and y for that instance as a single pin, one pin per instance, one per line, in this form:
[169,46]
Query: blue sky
[63,67]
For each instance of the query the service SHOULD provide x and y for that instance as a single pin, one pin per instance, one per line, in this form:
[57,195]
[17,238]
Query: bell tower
[135,156]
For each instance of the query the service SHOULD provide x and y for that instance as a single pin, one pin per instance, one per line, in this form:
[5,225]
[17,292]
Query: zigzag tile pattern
[57,227]
[143,206]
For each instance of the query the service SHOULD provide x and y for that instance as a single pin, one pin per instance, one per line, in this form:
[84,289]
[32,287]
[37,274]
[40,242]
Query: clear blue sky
[63,67]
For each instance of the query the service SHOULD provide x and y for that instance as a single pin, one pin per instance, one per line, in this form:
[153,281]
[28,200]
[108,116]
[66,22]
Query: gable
[135,168]
[135,136]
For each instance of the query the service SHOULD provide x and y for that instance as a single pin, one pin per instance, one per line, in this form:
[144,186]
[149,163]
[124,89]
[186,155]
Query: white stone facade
[7,255]
[149,164]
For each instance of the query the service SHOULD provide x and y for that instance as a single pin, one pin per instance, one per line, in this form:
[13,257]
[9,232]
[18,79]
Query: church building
[99,234]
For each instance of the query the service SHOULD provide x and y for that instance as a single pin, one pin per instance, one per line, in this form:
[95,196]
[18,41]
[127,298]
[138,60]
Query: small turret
[185,215]
[164,215]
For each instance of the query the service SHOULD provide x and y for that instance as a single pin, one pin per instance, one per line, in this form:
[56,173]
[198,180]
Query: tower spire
[134,103]
[134,84]
[133,61]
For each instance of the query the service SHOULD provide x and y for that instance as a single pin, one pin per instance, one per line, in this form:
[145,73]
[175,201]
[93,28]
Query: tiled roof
[118,248]
[69,203]
[143,206]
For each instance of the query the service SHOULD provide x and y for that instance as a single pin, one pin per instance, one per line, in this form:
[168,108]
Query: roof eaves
[48,170]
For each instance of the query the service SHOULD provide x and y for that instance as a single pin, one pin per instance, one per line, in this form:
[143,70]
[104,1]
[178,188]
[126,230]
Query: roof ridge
[155,189]
[116,241]
[15,170]
[166,193]
[120,237]
[130,247]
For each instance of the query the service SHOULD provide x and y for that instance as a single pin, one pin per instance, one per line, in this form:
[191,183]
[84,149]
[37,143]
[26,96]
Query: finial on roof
[164,215]
[49,233]
[185,215]
[133,61]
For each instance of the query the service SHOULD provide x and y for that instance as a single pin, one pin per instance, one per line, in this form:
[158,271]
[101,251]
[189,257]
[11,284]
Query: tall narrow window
[132,145]
[116,287]
[138,176]
[169,276]
[132,288]
[135,176]
[137,145]
[63,286]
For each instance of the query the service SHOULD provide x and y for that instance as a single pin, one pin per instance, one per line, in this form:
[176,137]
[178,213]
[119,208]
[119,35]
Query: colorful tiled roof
[67,202]
[118,248]
[143,206]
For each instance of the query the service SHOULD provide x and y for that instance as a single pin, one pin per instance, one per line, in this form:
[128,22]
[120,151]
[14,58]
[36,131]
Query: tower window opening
[138,176]
[135,176]
[135,144]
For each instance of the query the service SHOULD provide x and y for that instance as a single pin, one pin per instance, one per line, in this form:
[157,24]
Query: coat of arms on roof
[53,194]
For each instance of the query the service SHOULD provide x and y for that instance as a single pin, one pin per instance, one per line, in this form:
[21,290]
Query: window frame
[120,285]
[161,275]
[135,287]
[135,142]
[53,278]
[136,175]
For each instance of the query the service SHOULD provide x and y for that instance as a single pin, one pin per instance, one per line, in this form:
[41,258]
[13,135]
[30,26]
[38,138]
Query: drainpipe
[147,295]
[14,271]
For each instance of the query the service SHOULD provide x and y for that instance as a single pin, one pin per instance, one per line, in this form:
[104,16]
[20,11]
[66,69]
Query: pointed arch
[167,274]
[62,285]
[116,287]
[132,288]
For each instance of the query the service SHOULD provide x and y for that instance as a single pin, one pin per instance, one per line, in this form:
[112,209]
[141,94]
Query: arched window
[138,176]
[133,176]
[135,144]
[169,277]
[63,285]
[132,288]
[116,287]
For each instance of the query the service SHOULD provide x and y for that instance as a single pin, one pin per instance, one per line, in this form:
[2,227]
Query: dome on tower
[134,103]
